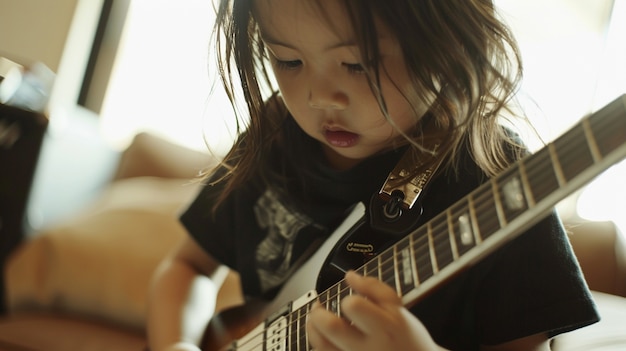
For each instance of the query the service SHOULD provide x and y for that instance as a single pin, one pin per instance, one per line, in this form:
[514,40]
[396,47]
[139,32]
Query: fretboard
[497,211]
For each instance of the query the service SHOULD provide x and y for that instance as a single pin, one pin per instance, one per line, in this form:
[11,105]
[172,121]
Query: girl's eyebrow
[268,39]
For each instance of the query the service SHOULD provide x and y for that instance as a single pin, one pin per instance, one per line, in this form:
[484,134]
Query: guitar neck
[494,213]
[497,211]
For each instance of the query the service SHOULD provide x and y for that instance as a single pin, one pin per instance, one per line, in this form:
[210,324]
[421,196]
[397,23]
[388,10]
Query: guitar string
[440,234]
[484,192]
[482,198]
[439,230]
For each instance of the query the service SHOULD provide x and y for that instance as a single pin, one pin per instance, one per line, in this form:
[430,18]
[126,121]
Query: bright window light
[573,62]
[161,81]
[605,198]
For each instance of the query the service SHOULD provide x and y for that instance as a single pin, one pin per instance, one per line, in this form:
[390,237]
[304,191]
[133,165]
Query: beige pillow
[100,263]
[151,155]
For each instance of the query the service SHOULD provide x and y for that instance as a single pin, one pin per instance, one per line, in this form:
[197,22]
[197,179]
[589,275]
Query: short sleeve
[533,285]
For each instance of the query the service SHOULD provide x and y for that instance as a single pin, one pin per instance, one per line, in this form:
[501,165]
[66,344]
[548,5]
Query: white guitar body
[297,292]
[472,228]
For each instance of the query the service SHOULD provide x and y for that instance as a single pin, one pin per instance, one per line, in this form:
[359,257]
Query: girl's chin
[340,159]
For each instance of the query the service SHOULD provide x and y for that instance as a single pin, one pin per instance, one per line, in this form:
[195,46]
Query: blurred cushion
[607,335]
[150,155]
[601,252]
[100,263]
[57,332]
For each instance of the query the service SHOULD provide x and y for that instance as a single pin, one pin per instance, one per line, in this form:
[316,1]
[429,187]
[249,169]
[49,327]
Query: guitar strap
[393,209]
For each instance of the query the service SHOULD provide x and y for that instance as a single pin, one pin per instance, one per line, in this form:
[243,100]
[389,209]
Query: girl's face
[322,82]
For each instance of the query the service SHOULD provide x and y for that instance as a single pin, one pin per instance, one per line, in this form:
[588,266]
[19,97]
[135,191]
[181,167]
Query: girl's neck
[337,161]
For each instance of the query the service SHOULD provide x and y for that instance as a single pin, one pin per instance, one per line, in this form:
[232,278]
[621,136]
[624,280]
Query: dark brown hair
[458,51]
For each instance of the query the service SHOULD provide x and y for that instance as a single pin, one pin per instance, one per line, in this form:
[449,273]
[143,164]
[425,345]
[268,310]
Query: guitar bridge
[283,330]
[276,334]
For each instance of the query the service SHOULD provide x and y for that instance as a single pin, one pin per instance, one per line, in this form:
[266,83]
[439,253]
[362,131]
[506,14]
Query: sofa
[81,284]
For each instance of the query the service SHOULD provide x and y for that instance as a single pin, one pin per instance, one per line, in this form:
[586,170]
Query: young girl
[362,84]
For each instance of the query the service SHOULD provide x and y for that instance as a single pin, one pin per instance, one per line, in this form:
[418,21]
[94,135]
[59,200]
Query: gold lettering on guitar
[356,247]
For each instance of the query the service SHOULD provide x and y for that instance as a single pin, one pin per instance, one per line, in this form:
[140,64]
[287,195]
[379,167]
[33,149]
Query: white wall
[562,44]
[162,81]
[34,30]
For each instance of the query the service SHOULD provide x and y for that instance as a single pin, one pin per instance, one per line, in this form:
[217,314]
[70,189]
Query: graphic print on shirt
[274,254]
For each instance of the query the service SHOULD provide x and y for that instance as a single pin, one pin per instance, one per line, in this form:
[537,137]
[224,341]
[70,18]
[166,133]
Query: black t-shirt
[531,285]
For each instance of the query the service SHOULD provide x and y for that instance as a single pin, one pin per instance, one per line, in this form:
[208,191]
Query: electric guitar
[414,265]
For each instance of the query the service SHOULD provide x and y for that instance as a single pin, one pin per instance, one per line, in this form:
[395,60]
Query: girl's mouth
[340,138]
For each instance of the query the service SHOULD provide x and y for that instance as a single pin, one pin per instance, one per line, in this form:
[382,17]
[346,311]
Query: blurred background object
[28,88]
[150,69]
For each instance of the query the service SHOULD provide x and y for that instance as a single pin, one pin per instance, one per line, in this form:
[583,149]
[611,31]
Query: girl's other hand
[373,319]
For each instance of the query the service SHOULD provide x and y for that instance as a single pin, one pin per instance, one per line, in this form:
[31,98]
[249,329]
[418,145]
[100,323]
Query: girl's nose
[323,94]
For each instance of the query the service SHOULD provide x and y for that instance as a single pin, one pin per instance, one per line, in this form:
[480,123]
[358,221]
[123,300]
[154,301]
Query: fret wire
[296,326]
[487,222]
[474,209]
[526,189]
[387,267]
[524,175]
[302,343]
[530,199]
[511,193]
[474,220]
[604,128]
[303,325]
[537,165]
[371,267]
[396,271]
[362,270]
[556,165]
[406,275]
[591,141]
[462,226]
[573,152]
[293,326]
[441,242]
[540,174]
[322,298]
[329,298]
[341,288]
[303,340]
[386,281]
[431,236]
[344,290]
[422,255]
[381,273]
[441,230]
[431,248]
[416,278]
[498,204]
[335,297]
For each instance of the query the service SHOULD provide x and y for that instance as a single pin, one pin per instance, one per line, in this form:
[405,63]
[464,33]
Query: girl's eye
[354,67]
[288,65]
